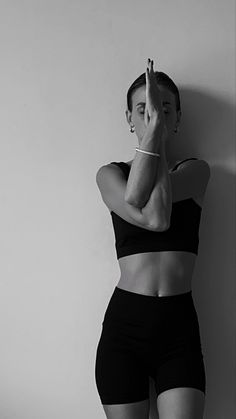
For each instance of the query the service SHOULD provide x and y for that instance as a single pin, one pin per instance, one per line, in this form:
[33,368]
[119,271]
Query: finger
[152,73]
[146,117]
[149,65]
[149,82]
[149,105]
[147,85]
[147,78]
[150,77]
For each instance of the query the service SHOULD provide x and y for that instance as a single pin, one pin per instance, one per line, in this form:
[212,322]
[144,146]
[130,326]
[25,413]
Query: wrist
[150,143]
[151,140]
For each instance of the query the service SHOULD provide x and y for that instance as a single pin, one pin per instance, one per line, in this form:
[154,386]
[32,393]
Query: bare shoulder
[190,180]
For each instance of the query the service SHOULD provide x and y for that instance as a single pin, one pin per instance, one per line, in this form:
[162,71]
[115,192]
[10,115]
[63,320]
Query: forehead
[139,95]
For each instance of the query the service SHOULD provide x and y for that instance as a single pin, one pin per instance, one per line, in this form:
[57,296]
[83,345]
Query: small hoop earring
[131,128]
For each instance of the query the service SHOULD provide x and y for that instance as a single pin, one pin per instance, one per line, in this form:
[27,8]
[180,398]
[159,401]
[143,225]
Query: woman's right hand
[154,116]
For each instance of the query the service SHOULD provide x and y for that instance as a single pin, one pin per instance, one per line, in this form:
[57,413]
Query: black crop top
[182,235]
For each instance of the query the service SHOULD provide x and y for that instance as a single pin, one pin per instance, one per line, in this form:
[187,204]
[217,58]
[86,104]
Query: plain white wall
[65,70]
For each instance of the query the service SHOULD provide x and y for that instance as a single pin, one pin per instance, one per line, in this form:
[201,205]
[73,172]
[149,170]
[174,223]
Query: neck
[171,156]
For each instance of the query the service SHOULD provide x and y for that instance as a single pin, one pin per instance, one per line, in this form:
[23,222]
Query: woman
[150,327]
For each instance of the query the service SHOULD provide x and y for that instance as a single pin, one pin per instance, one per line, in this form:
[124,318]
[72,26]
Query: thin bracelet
[147,152]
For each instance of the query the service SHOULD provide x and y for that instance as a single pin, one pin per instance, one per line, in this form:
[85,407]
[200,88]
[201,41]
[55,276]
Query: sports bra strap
[182,161]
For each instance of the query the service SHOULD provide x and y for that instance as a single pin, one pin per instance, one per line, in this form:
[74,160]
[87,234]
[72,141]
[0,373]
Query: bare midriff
[157,273]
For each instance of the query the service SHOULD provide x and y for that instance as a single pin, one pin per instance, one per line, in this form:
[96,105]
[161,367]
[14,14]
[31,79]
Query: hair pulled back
[162,79]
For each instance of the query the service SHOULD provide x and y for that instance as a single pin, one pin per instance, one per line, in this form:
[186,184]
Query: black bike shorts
[148,336]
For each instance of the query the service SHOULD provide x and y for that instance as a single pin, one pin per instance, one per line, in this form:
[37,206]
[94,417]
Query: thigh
[138,410]
[185,370]
[180,378]
[121,377]
[181,403]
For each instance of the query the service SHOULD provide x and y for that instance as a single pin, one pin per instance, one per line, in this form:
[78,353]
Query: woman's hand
[164,133]
[154,115]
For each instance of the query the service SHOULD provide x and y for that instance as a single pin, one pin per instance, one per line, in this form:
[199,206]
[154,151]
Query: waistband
[148,309]
[153,298]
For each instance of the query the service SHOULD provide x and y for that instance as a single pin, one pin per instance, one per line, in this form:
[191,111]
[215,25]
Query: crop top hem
[175,247]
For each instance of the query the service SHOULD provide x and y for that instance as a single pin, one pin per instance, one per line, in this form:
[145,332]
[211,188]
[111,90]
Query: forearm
[143,171]
[159,206]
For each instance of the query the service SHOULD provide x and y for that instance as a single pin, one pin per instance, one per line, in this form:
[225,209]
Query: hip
[162,324]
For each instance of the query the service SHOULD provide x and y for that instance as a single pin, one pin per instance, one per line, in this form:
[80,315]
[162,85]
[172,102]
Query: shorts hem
[123,399]
[172,386]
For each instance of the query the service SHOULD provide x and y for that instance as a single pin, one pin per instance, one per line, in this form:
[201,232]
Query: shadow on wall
[207,131]
[207,126]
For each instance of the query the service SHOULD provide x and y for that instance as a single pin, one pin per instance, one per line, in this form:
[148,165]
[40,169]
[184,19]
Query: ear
[178,118]
[128,116]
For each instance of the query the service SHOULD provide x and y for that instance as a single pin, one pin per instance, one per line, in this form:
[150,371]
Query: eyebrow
[164,103]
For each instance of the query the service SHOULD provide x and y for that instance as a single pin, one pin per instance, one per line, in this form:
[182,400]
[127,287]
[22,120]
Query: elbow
[166,223]
[159,226]
[133,202]
[166,227]
[162,225]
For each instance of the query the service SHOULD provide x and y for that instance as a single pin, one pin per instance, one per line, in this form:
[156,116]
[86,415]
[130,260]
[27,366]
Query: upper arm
[112,185]
[189,180]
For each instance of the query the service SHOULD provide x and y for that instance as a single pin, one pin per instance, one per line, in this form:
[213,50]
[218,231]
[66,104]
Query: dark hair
[162,79]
